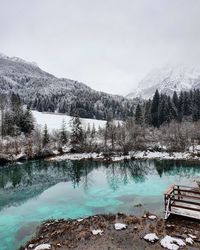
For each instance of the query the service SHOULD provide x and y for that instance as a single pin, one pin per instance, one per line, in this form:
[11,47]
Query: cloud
[110,44]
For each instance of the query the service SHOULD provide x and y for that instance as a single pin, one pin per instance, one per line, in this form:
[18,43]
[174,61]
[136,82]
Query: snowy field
[54,120]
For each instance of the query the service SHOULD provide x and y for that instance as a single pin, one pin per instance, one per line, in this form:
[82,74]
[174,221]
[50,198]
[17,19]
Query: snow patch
[152,237]
[189,241]
[152,217]
[79,220]
[192,236]
[43,247]
[96,232]
[54,121]
[171,243]
[120,226]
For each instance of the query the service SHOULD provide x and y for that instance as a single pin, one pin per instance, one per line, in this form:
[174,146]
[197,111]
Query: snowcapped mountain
[167,80]
[45,92]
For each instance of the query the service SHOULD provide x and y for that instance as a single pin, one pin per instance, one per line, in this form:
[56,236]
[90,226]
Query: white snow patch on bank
[120,226]
[171,243]
[43,247]
[76,156]
[152,217]
[162,155]
[152,237]
[96,232]
[132,155]
[189,241]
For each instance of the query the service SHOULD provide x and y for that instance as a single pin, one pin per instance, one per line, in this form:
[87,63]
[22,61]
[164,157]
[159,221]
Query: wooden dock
[182,200]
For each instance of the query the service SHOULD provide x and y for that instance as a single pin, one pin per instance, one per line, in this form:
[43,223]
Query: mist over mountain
[167,80]
[44,92]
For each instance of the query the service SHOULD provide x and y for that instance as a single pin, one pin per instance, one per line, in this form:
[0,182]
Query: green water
[38,190]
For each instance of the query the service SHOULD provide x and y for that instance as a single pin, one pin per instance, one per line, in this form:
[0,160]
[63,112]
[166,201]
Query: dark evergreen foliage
[138,115]
[46,137]
[15,119]
[163,108]
[87,104]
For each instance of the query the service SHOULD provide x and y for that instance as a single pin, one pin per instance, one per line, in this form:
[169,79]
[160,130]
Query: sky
[108,44]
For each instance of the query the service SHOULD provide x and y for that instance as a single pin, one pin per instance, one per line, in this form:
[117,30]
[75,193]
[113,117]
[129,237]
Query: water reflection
[32,178]
[125,172]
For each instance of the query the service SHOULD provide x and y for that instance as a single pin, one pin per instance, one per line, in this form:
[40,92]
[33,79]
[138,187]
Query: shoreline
[112,158]
[138,155]
[116,231]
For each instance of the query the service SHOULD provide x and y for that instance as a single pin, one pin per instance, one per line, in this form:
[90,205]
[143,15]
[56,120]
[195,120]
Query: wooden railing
[182,200]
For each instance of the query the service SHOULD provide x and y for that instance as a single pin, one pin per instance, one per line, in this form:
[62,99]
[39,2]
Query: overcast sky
[108,44]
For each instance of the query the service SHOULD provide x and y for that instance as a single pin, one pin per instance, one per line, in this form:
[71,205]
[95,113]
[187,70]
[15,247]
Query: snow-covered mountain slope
[45,92]
[18,75]
[167,80]
[55,121]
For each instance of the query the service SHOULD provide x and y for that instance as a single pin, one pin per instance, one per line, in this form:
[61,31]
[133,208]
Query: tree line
[163,123]
[163,108]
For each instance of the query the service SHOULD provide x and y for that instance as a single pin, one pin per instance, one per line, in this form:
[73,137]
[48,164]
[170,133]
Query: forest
[162,124]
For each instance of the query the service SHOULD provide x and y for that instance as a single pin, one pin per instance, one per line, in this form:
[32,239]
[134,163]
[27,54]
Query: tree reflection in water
[33,177]
[127,171]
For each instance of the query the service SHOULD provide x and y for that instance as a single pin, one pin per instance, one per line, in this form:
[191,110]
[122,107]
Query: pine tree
[46,138]
[155,109]
[76,132]
[172,109]
[180,109]
[138,115]
[93,132]
[26,123]
[163,112]
[147,112]
[63,133]
[175,99]
[2,113]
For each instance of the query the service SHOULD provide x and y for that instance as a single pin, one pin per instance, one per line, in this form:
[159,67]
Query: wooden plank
[182,200]
[186,213]
[187,191]
[187,202]
[183,186]
[188,196]
[169,190]
[188,208]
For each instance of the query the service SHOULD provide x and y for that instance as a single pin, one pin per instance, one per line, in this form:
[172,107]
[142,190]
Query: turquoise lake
[38,190]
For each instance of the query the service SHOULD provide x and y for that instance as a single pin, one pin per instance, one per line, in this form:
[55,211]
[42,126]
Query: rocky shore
[118,231]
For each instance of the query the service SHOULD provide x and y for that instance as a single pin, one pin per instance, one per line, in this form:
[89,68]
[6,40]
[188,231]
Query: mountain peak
[167,80]
[17,59]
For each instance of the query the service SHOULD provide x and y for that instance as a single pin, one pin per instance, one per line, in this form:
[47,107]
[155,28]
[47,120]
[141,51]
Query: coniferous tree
[155,109]
[93,132]
[147,112]
[175,99]
[172,109]
[46,138]
[163,114]
[63,133]
[76,131]
[180,108]
[138,115]
[26,123]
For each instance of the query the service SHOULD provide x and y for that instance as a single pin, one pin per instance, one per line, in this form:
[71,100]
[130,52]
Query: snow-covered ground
[54,120]
[132,155]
